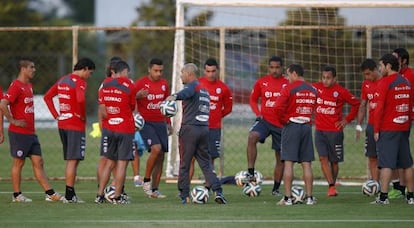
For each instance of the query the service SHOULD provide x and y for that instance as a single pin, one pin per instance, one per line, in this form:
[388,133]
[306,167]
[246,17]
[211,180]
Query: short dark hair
[211,62]
[24,62]
[84,63]
[368,64]
[392,60]
[155,61]
[403,54]
[120,66]
[332,69]
[296,68]
[111,66]
[276,59]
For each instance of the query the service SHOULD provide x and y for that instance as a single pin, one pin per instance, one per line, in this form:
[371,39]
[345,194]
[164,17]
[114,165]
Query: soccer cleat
[137,181]
[276,192]
[395,194]
[250,178]
[146,187]
[21,199]
[100,199]
[185,200]
[310,200]
[410,201]
[220,198]
[284,202]
[74,199]
[55,197]
[119,200]
[332,191]
[380,202]
[157,194]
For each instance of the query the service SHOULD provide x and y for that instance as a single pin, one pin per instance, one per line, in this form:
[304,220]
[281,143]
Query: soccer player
[17,106]
[329,124]
[152,90]
[295,107]
[372,77]
[1,119]
[193,136]
[117,104]
[267,90]
[71,116]
[392,122]
[221,104]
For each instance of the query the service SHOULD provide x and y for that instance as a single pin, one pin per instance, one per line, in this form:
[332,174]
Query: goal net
[243,35]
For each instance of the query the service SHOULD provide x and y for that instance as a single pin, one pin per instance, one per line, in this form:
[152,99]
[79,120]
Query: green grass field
[350,208]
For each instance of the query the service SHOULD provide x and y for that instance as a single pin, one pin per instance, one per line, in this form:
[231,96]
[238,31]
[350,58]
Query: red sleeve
[80,97]
[227,102]
[48,98]
[281,104]
[354,102]
[380,95]
[254,97]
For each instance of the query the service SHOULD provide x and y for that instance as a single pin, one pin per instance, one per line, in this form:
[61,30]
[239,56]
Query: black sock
[331,185]
[410,195]
[70,192]
[15,194]
[50,192]
[383,196]
[123,189]
[402,189]
[286,198]
[251,171]
[396,185]
[154,189]
[147,179]
[276,185]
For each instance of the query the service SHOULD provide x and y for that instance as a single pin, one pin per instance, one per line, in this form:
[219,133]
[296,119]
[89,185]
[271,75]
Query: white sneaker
[74,199]
[21,199]
[310,200]
[55,197]
[410,201]
[380,202]
[138,181]
[157,194]
[146,187]
[284,202]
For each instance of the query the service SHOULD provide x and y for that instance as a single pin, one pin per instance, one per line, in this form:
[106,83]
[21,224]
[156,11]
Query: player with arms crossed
[329,124]
[392,122]
[295,108]
[369,85]
[193,136]
[267,90]
[70,90]
[152,90]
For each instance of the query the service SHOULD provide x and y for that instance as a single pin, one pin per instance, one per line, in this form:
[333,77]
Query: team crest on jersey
[218,90]
[335,94]
[19,153]
[163,88]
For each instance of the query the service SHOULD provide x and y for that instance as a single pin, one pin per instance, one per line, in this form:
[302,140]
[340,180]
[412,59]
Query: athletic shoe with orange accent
[332,191]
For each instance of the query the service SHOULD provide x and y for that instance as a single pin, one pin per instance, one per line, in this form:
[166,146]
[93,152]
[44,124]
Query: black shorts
[22,145]
[73,143]
[265,129]
[297,144]
[117,146]
[330,144]
[370,144]
[154,133]
[394,150]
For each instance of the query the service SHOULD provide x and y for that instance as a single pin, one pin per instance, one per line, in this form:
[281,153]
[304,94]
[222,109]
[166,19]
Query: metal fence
[242,51]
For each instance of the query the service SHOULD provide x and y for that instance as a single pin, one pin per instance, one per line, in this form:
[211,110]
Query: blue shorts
[214,142]
[394,150]
[297,144]
[265,129]
[155,133]
[117,146]
[73,143]
[370,144]
[330,144]
[22,145]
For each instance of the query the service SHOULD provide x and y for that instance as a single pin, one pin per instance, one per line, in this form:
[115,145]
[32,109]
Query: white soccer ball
[109,193]
[298,194]
[199,195]
[240,178]
[252,189]
[139,121]
[169,108]
[370,187]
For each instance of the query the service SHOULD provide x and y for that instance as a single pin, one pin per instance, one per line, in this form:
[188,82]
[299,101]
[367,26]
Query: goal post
[312,33]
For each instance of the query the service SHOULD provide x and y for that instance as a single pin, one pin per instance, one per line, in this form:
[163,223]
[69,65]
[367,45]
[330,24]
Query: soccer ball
[370,187]
[240,178]
[298,194]
[259,177]
[109,193]
[199,195]
[139,121]
[169,108]
[252,189]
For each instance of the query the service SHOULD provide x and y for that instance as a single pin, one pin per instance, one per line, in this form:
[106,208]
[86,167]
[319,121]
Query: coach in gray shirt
[193,135]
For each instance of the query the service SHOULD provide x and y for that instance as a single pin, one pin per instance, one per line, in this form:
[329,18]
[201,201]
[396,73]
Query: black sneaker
[220,198]
[99,199]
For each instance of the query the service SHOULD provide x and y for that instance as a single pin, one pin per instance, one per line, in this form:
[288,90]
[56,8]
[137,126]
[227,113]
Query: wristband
[358,127]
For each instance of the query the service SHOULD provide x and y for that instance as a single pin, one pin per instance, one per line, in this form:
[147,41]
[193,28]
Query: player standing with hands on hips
[193,135]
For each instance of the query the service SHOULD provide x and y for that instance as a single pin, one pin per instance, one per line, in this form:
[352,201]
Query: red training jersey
[149,107]
[329,105]
[267,88]
[221,100]
[118,96]
[296,103]
[20,97]
[70,90]
[367,93]
[394,104]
